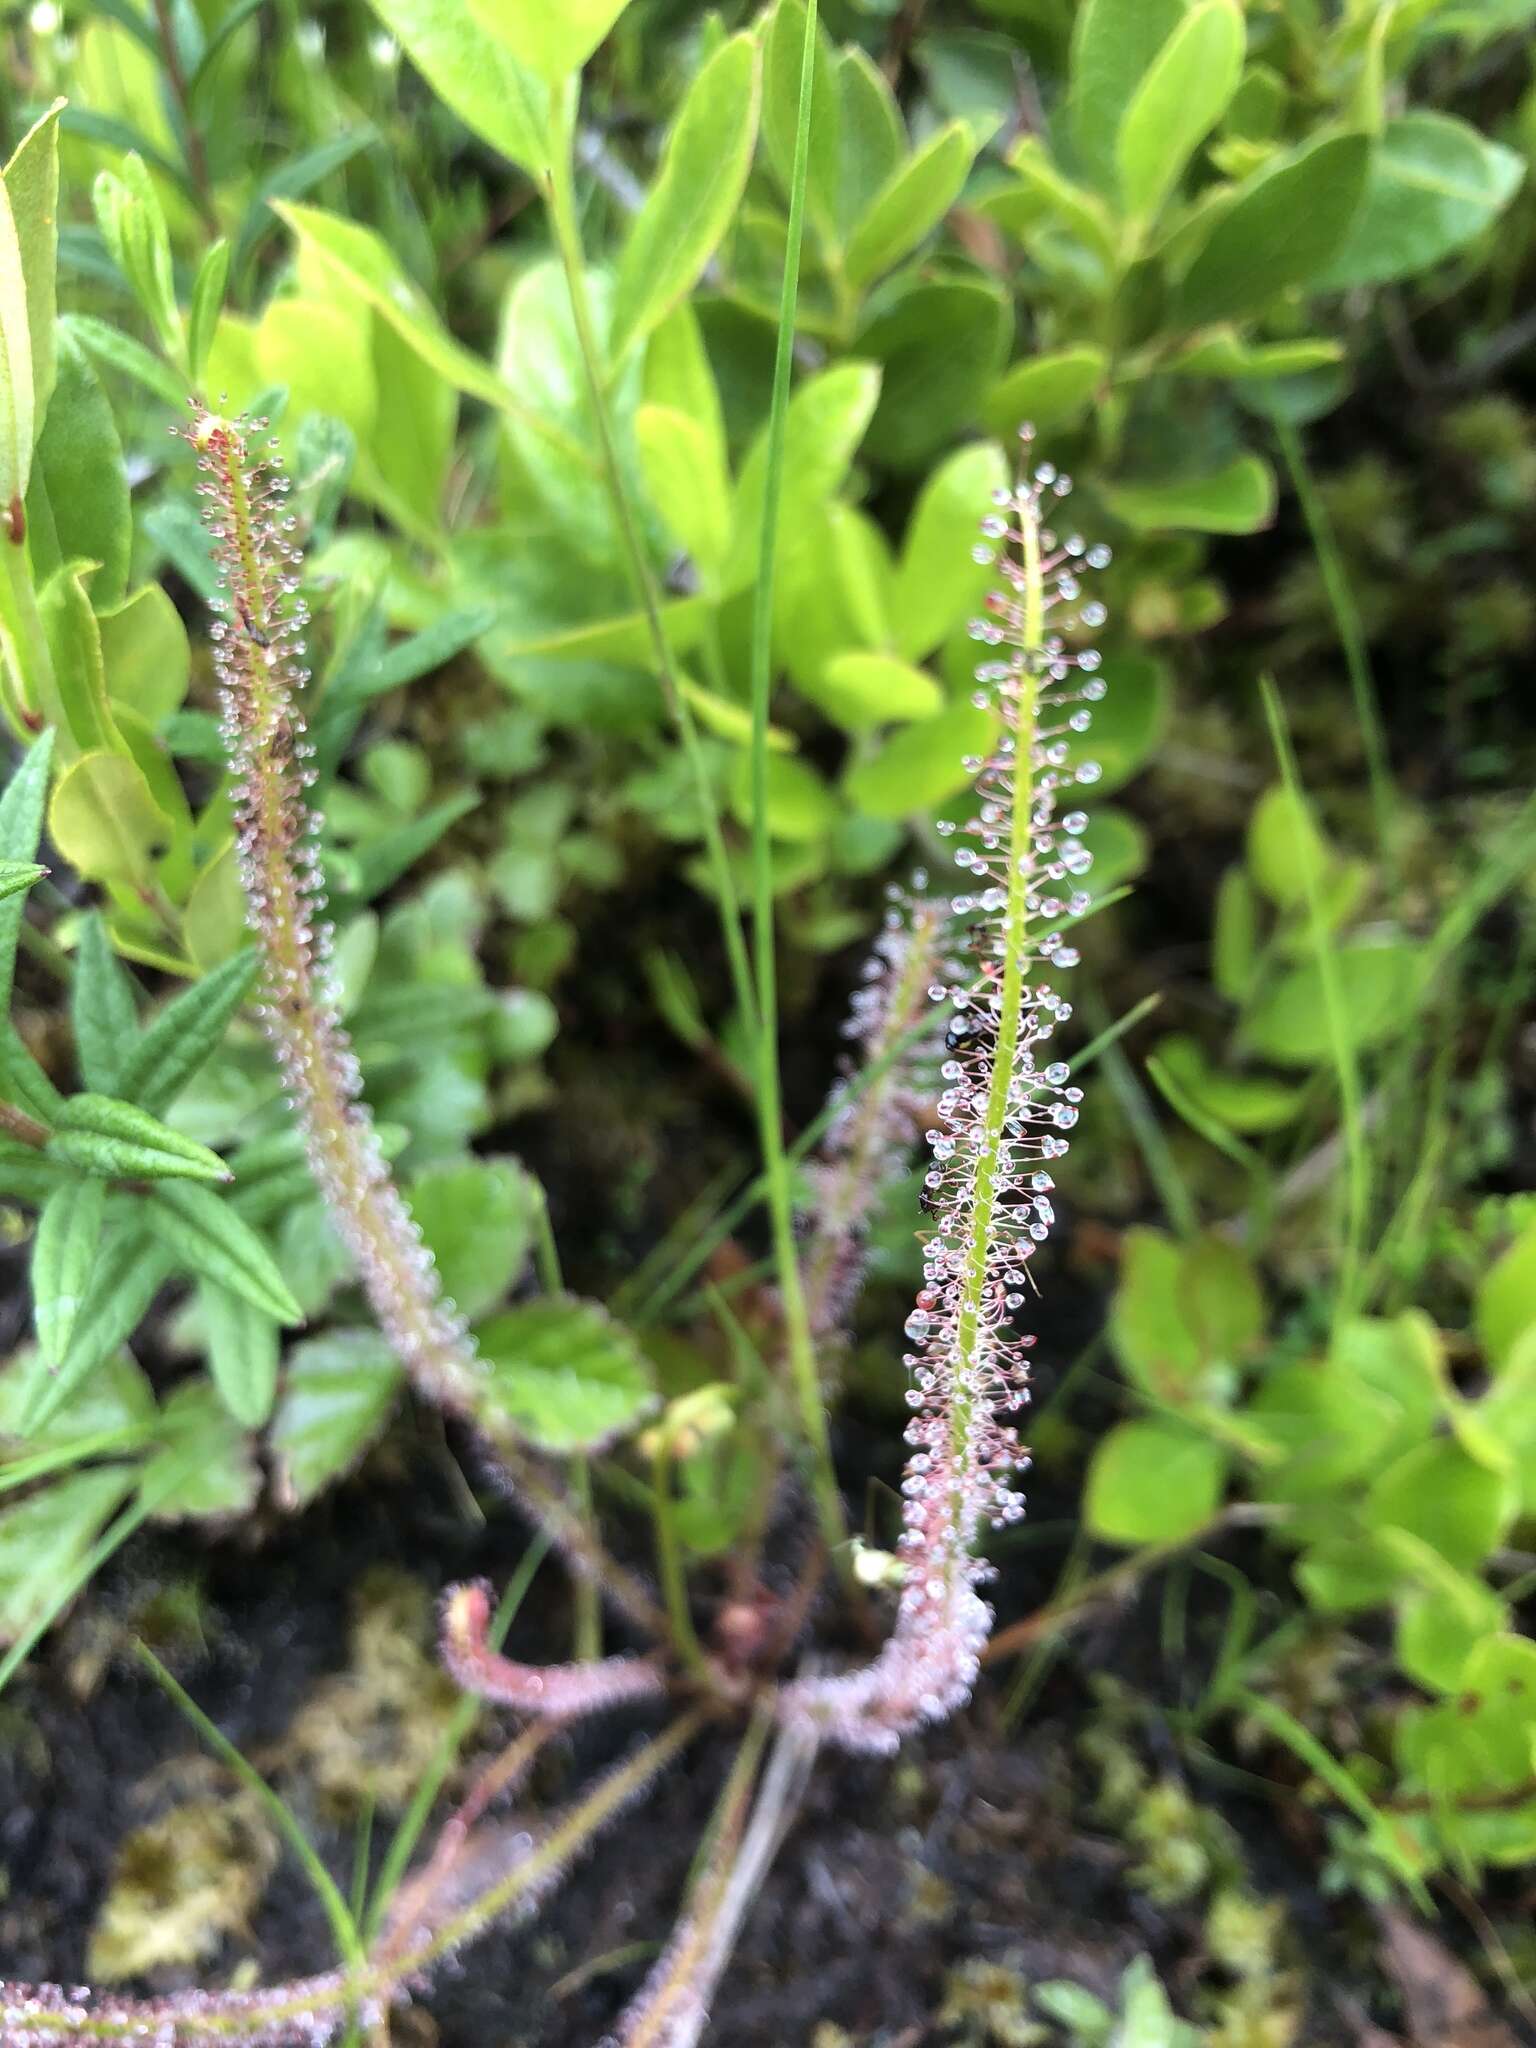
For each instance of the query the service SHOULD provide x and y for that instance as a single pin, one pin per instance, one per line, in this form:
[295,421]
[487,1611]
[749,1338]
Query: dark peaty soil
[976,1847]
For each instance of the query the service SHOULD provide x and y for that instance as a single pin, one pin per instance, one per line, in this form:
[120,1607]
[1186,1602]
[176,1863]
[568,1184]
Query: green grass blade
[344,1928]
[802,1353]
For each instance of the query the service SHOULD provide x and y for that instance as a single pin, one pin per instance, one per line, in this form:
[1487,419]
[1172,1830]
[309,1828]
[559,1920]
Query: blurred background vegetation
[1262,278]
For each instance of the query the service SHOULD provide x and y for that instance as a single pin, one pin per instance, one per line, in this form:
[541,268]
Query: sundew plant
[760,794]
[1002,1113]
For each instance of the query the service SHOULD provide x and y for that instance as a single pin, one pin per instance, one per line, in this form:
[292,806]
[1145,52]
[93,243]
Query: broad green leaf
[1130,724]
[1445,1498]
[211,1240]
[939,346]
[207,304]
[695,193]
[21,827]
[1043,192]
[679,375]
[1046,391]
[782,58]
[1504,1307]
[125,1278]
[1287,854]
[1179,100]
[1347,1574]
[825,424]
[243,1350]
[109,345]
[101,1008]
[1283,228]
[77,509]
[1114,43]
[729,720]
[1119,846]
[1152,1483]
[337,1394]
[105,821]
[832,592]
[144,653]
[1237,499]
[1441,1620]
[552,41]
[18,405]
[322,352]
[46,1536]
[687,481]
[1221,352]
[1220,1300]
[911,204]
[937,581]
[1468,1751]
[477,73]
[366,677]
[860,691]
[1243,1102]
[116,1397]
[362,262]
[120,1141]
[63,1255]
[17,877]
[478,1221]
[1148,1324]
[1434,184]
[1323,1425]
[799,805]
[1235,937]
[184,1033]
[403,466]
[133,224]
[563,1374]
[81,708]
[921,765]
[553,433]
[213,924]
[1287,1020]
[205,1465]
[871,136]
[1505,1416]
[32,187]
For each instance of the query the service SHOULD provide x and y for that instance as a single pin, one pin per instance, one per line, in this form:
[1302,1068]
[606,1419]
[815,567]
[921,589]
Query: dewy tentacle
[1001,1121]
[259,642]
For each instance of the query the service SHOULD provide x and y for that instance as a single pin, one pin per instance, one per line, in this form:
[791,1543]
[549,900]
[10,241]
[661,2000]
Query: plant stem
[1351,631]
[1346,1059]
[1021,867]
[800,1345]
[669,1558]
[559,199]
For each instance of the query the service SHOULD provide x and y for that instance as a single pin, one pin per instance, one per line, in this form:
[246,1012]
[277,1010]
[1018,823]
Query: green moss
[366,1736]
[180,1885]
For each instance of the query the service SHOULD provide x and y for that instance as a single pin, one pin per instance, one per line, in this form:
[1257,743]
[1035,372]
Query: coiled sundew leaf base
[1001,1123]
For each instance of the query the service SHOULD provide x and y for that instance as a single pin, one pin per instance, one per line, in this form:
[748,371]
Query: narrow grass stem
[560,202]
[1351,631]
[1357,1196]
[799,1342]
